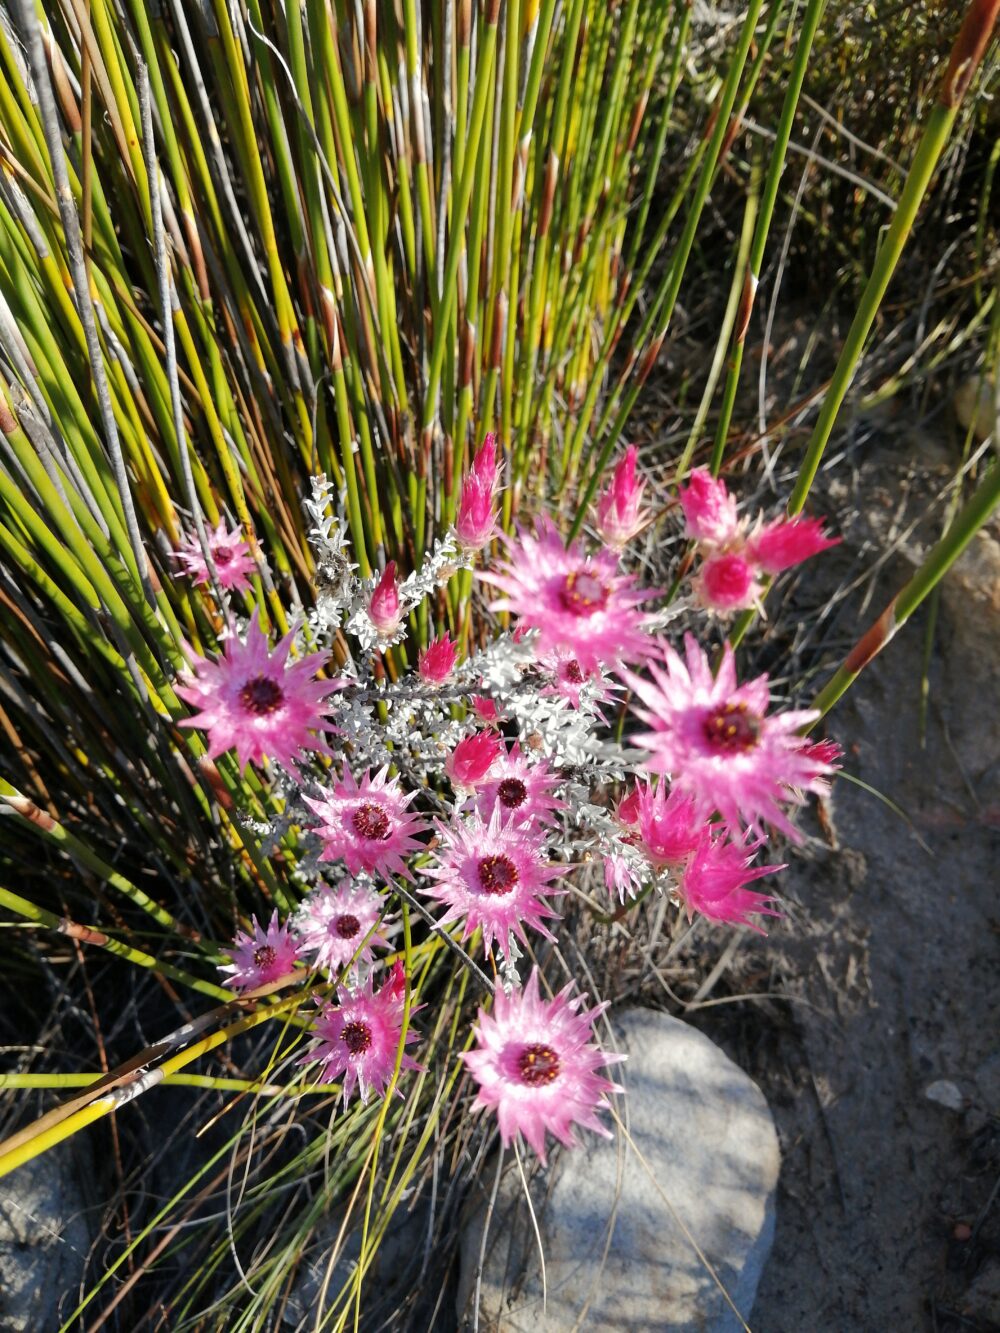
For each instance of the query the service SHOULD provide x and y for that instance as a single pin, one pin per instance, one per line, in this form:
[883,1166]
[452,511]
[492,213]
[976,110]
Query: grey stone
[945,1093]
[616,1257]
[45,1238]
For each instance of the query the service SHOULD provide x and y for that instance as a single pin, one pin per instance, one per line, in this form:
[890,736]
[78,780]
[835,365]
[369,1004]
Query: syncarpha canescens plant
[336,925]
[717,742]
[495,877]
[384,606]
[520,789]
[230,555]
[714,878]
[367,825]
[261,957]
[734,554]
[580,603]
[255,701]
[358,1037]
[620,516]
[536,1064]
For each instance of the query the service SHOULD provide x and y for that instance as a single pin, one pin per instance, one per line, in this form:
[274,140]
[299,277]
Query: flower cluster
[466,788]
[733,555]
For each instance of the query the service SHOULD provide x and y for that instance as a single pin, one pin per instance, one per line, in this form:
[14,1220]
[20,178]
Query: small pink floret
[359,1037]
[619,515]
[536,1064]
[254,701]
[714,881]
[383,608]
[726,583]
[472,759]
[709,509]
[787,541]
[670,827]
[230,555]
[522,790]
[332,925]
[437,661]
[261,958]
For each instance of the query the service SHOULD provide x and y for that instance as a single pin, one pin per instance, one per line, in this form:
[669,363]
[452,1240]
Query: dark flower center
[497,874]
[346,926]
[222,555]
[583,594]
[261,695]
[573,672]
[357,1037]
[732,728]
[512,792]
[371,821]
[538,1065]
[264,957]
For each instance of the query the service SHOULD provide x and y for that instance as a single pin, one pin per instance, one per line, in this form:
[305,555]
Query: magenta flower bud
[477,520]
[384,605]
[726,583]
[786,542]
[437,661]
[709,509]
[824,752]
[627,809]
[471,759]
[485,708]
[619,516]
[484,465]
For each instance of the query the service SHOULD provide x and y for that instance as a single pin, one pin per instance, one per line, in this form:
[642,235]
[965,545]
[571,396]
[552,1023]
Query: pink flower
[262,957]
[670,827]
[332,923]
[359,1037]
[621,876]
[536,1064]
[495,877]
[825,751]
[472,758]
[580,604]
[522,791]
[383,607]
[568,680]
[485,709]
[709,509]
[787,541]
[715,741]
[367,826]
[713,881]
[437,661]
[477,516]
[255,701]
[726,583]
[627,809]
[619,516]
[230,555]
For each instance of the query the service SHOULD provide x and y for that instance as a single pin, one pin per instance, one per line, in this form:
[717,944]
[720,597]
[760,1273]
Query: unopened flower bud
[437,661]
[471,759]
[384,605]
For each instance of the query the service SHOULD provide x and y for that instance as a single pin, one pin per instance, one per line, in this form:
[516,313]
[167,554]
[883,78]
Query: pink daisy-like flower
[359,1037]
[567,681]
[332,923]
[437,661]
[254,701]
[536,1065]
[714,881]
[522,791]
[495,877]
[715,741]
[367,825]
[580,604]
[621,876]
[472,758]
[265,956]
[670,827]
[229,552]
[619,516]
